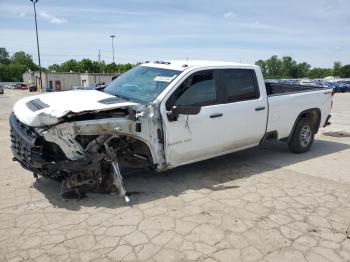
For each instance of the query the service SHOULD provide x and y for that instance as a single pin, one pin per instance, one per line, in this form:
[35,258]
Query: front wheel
[303,136]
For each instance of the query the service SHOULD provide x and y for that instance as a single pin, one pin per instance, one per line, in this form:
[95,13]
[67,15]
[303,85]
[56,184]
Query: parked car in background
[21,86]
[342,87]
[98,87]
[33,88]
[11,86]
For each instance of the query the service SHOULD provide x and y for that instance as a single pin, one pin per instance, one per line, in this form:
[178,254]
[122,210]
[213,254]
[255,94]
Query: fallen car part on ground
[117,178]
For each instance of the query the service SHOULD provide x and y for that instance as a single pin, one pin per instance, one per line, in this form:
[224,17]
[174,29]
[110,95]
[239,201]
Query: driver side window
[198,89]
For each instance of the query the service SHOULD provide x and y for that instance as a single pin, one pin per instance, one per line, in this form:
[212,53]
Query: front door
[195,136]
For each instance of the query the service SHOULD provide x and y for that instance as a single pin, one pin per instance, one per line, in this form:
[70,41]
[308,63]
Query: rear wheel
[303,136]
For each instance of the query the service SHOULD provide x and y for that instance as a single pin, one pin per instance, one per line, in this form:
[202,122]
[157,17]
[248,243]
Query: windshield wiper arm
[122,97]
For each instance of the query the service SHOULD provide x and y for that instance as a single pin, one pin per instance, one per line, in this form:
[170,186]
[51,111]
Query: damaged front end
[84,151]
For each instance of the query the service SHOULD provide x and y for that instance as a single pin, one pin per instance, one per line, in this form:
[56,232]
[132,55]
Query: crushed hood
[47,109]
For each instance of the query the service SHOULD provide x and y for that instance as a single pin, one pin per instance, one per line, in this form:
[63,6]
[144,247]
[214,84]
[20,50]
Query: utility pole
[37,43]
[99,67]
[112,36]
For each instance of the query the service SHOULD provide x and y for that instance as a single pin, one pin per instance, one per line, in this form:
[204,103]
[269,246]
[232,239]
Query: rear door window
[239,84]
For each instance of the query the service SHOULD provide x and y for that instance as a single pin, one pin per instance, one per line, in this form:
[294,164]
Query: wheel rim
[305,136]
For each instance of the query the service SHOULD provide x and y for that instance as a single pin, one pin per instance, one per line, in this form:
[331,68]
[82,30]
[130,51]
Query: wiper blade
[122,97]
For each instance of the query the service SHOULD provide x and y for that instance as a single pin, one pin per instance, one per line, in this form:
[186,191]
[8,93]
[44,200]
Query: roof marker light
[162,62]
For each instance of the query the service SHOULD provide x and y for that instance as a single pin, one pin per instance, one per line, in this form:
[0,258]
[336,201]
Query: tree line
[286,68]
[87,65]
[13,67]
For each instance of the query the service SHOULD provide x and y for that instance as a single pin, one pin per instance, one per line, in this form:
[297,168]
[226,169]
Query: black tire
[303,136]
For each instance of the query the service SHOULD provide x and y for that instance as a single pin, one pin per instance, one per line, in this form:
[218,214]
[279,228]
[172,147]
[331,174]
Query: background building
[95,78]
[62,81]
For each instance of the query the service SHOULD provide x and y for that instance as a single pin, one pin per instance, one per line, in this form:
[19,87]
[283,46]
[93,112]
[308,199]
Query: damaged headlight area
[82,155]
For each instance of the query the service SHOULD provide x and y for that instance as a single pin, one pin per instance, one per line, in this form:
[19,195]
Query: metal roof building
[62,81]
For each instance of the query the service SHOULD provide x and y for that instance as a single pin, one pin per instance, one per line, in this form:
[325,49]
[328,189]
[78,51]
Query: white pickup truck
[161,115]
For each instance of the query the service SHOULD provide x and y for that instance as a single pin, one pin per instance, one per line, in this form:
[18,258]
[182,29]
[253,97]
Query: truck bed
[279,89]
[287,101]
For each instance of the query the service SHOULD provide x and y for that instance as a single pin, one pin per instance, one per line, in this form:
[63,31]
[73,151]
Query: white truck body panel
[62,103]
[284,109]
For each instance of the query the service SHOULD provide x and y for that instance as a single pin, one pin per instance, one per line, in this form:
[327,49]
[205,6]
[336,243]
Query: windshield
[142,83]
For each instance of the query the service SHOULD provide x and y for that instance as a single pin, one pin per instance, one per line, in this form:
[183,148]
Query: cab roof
[181,65]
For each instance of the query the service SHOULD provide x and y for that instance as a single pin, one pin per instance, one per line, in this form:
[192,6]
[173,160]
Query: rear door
[244,109]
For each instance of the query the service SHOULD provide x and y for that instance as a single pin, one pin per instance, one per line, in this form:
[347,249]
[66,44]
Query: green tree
[86,65]
[110,68]
[345,71]
[337,68]
[263,67]
[319,72]
[70,65]
[12,72]
[121,68]
[55,68]
[287,67]
[302,70]
[273,66]
[4,56]
[22,58]
[13,69]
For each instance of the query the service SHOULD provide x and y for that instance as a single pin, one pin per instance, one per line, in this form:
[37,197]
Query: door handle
[260,108]
[216,115]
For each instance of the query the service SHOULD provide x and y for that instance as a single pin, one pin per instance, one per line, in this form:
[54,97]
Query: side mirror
[100,87]
[183,110]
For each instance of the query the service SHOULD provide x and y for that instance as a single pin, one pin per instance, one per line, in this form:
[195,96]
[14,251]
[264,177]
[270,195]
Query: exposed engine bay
[85,151]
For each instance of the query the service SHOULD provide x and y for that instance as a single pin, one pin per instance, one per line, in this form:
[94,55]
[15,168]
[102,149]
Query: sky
[315,31]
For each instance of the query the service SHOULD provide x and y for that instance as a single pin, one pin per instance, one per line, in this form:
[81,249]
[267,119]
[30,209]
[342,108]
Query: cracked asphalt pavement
[262,204]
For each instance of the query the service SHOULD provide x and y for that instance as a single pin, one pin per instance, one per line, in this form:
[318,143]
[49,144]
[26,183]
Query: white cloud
[21,14]
[52,19]
[230,15]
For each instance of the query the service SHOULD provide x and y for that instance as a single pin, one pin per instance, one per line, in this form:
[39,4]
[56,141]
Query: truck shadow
[220,173]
